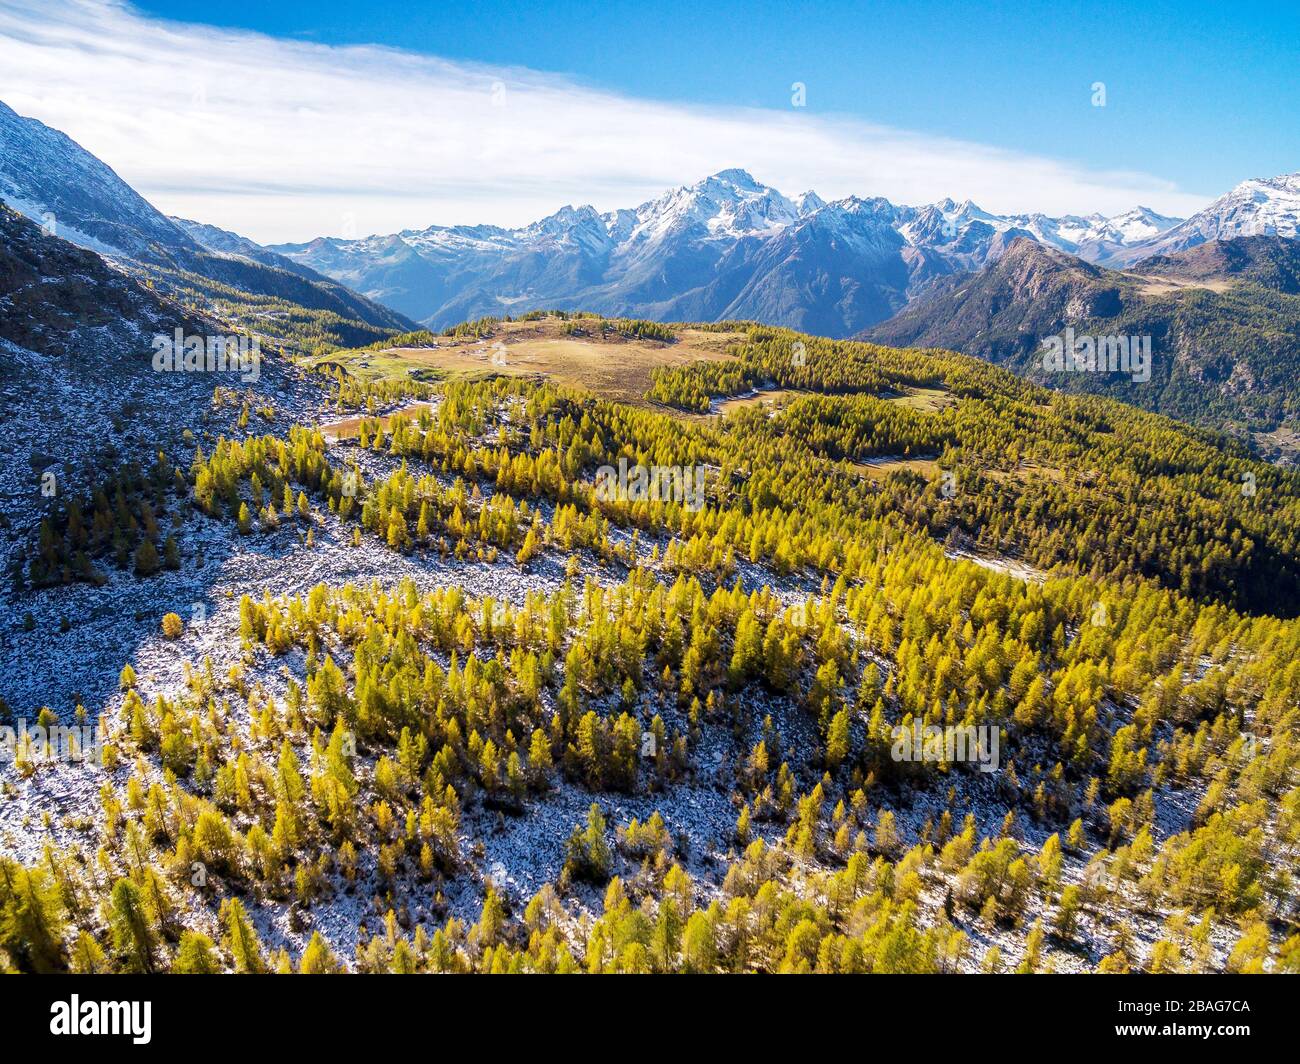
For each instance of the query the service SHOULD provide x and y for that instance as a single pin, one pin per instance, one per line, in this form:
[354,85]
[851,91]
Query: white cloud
[283,140]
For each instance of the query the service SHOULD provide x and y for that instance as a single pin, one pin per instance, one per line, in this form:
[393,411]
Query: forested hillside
[1222,318]
[453,703]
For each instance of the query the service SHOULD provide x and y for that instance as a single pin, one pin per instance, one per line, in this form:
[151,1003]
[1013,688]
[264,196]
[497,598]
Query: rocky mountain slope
[75,374]
[78,384]
[1223,318]
[51,179]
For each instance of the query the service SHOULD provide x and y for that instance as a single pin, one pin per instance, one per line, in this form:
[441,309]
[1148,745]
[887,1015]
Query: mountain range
[730,247]
[726,247]
[1258,207]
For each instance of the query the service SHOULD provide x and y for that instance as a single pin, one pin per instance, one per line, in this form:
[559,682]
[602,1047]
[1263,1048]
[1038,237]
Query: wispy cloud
[286,140]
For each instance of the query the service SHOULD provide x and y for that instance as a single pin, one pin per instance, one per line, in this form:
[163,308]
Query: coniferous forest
[701,704]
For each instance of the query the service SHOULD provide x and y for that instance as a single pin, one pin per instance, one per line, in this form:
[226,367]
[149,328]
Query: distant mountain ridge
[730,247]
[724,247]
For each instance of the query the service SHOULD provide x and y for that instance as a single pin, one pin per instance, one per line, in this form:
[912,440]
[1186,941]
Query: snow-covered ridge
[731,205]
[1257,207]
[51,179]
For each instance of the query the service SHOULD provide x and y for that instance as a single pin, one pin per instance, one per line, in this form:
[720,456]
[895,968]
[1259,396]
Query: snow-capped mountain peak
[807,202]
[1140,223]
[568,226]
[1256,207]
[728,204]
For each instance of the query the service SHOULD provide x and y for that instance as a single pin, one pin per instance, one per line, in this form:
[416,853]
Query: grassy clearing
[1162,286]
[923,399]
[773,398]
[1026,472]
[608,365]
[928,399]
[1280,445]
[879,468]
[350,427]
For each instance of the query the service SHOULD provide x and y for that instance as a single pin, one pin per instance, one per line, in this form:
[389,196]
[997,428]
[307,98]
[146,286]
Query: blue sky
[290,120]
[1205,94]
